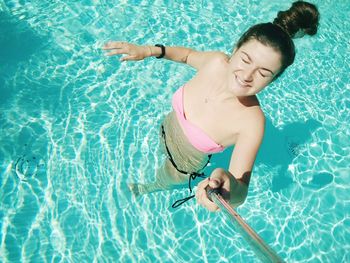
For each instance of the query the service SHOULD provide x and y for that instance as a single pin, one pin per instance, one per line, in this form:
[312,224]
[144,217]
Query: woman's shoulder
[254,118]
[251,116]
[217,58]
[203,59]
[247,125]
[214,60]
[252,107]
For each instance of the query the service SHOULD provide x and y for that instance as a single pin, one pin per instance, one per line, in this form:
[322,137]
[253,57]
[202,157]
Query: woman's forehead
[261,54]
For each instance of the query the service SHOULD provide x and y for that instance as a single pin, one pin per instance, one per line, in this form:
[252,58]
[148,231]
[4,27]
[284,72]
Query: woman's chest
[219,120]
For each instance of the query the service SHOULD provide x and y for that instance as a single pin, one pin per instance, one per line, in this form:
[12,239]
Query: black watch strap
[163,50]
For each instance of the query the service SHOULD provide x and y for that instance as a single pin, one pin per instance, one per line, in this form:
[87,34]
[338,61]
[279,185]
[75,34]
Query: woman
[218,107]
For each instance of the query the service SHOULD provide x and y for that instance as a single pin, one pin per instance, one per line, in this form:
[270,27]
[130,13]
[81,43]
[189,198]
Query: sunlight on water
[78,127]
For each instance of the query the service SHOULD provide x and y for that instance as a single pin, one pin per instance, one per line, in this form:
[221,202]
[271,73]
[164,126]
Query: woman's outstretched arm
[193,58]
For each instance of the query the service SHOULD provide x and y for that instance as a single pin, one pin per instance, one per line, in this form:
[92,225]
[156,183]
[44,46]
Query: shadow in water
[278,149]
[18,41]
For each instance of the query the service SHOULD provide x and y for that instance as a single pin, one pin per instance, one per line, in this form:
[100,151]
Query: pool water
[77,127]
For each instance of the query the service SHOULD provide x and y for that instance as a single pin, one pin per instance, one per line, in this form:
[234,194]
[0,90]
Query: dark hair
[278,35]
[301,15]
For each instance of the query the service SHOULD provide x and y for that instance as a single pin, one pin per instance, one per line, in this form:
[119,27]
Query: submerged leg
[174,144]
[167,178]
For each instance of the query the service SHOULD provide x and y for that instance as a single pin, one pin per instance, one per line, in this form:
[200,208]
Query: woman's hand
[133,52]
[229,187]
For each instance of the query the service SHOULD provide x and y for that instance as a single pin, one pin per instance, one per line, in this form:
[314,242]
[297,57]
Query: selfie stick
[262,250]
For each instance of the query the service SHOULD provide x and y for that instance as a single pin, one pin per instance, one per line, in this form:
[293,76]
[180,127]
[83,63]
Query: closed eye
[262,74]
[245,61]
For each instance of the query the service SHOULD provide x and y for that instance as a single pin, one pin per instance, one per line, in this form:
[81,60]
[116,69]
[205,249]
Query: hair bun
[300,16]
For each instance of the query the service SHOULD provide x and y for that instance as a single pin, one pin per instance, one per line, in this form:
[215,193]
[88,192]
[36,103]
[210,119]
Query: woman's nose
[248,74]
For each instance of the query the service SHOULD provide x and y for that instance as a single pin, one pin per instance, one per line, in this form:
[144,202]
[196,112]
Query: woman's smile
[242,84]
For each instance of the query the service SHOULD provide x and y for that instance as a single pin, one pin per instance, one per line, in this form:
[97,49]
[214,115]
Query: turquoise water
[76,127]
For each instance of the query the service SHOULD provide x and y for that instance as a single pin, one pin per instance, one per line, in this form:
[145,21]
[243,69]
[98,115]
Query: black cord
[192,175]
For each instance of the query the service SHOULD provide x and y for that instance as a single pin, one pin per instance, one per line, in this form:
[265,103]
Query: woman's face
[252,67]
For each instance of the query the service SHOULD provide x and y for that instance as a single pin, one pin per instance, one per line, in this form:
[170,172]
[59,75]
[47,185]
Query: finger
[202,197]
[115,52]
[217,178]
[215,183]
[205,202]
[128,58]
[203,184]
[109,45]
[211,206]
[113,45]
[201,189]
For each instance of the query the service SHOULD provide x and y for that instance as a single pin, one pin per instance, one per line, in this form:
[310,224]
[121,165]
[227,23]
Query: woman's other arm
[234,183]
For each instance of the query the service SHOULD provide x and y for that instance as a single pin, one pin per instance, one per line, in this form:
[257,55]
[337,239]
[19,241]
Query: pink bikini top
[197,137]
